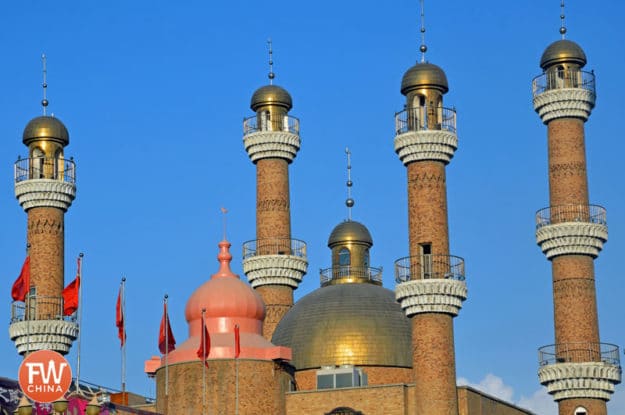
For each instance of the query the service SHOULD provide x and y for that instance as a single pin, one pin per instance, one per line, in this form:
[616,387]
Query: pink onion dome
[227,302]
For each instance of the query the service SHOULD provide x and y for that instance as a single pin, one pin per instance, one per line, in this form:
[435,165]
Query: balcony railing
[45,168]
[429,266]
[424,119]
[579,353]
[265,123]
[39,307]
[274,246]
[564,78]
[346,271]
[571,213]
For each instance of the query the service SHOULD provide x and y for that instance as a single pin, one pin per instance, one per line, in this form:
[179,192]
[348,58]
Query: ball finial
[423,48]
[349,202]
[563,30]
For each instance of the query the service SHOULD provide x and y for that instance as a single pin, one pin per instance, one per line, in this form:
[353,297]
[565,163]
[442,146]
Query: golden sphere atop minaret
[424,75]
[350,231]
[271,95]
[45,128]
[563,51]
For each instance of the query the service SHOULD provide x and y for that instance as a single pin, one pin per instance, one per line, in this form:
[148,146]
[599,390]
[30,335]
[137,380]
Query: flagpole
[236,374]
[124,341]
[203,363]
[80,259]
[27,307]
[166,354]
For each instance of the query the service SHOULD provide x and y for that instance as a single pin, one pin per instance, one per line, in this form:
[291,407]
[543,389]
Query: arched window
[580,410]
[37,161]
[344,257]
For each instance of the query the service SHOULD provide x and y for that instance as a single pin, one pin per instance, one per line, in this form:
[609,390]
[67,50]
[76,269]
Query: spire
[349,202]
[562,23]
[224,211]
[44,101]
[423,48]
[271,74]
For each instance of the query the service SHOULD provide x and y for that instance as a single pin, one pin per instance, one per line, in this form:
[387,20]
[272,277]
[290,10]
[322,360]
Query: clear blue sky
[153,94]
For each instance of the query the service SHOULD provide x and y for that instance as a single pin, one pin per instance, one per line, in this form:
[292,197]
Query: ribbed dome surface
[358,324]
[350,231]
[45,128]
[563,51]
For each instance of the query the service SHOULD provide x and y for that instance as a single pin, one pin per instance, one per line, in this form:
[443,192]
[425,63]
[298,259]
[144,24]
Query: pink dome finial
[224,257]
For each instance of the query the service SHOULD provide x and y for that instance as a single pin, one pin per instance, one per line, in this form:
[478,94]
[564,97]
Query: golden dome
[350,231]
[355,324]
[271,95]
[563,51]
[424,75]
[45,128]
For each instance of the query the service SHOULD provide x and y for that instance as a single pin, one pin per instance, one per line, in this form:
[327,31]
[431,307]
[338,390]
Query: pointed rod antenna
[44,101]
[562,21]
[349,202]
[423,48]
[271,73]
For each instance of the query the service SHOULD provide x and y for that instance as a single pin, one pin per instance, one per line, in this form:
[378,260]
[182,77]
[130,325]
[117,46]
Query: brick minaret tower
[273,263]
[578,370]
[45,185]
[431,284]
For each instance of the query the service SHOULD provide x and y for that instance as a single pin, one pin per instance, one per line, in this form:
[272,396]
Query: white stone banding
[275,270]
[587,380]
[34,193]
[572,238]
[564,103]
[435,295]
[32,335]
[439,145]
[271,144]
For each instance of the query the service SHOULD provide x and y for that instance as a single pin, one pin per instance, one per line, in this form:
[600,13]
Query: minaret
[273,263]
[578,370]
[431,285]
[45,185]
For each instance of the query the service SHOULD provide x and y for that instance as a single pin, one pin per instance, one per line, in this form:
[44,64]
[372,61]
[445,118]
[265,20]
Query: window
[580,410]
[344,257]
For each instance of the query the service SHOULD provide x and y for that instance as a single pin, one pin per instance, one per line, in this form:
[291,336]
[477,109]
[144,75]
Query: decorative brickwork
[271,144]
[262,387]
[45,193]
[436,145]
[275,270]
[594,380]
[46,238]
[572,238]
[564,103]
[431,296]
[31,335]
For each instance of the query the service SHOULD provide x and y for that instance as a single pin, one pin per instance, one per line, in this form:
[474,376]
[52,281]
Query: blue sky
[154,93]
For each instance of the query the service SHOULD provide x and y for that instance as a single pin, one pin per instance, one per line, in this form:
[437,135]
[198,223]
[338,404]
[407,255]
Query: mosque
[351,346]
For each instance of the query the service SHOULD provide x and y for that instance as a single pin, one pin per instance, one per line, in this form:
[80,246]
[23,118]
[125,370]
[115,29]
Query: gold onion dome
[424,75]
[271,95]
[563,51]
[346,324]
[350,231]
[45,128]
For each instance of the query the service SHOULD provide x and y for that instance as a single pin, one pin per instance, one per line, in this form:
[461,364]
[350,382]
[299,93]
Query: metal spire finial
[271,74]
[562,15]
[349,202]
[423,48]
[224,211]
[44,101]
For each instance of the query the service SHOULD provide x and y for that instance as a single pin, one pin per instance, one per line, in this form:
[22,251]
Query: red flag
[237,341]
[22,283]
[166,340]
[119,321]
[71,293]
[205,344]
